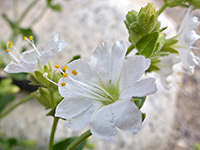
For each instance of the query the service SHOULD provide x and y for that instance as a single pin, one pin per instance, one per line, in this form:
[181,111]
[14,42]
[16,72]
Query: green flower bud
[147,18]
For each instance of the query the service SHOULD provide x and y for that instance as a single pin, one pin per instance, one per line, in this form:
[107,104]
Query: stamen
[32,43]
[8,50]
[74,72]
[57,66]
[65,75]
[10,46]
[63,84]
[11,43]
[66,68]
[46,76]
[179,73]
[181,85]
[31,38]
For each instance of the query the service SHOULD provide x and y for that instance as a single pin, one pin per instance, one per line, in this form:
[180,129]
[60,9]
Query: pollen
[8,50]
[25,38]
[74,72]
[179,73]
[63,84]
[66,68]
[181,85]
[31,38]
[57,66]
[65,75]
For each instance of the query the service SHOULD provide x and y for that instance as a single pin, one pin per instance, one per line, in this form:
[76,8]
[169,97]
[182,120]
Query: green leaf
[75,58]
[147,44]
[63,144]
[5,100]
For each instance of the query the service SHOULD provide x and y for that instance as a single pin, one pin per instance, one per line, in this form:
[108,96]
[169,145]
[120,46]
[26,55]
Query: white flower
[30,60]
[166,69]
[99,92]
[186,38]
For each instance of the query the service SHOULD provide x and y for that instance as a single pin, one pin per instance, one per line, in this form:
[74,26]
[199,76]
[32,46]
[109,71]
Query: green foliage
[197,146]
[5,100]
[17,144]
[55,7]
[195,3]
[63,144]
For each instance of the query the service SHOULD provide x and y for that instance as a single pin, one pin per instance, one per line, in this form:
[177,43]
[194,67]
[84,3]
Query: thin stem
[41,15]
[53,130]
[26,99]
[15,3]
[26,11]
[162,8]
[78,140]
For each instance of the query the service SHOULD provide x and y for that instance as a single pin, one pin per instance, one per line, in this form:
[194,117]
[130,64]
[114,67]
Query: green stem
[41,15]
[26,99]
[162,8]
[53,130]
[26,11]
[15,3]
[78,140]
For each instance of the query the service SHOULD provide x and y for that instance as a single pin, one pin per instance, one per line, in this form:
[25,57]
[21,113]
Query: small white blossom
[99,92]
[186,38]
[166,69]
[31,60]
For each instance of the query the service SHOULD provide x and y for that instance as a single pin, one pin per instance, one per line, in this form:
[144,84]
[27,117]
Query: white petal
[140,89]
[13,67]
[80,121]
[133,68]
[100,61]
[117,58]
[102,125]
[30,56]
[127,116]
[70,107]
[85,71]
[190,38]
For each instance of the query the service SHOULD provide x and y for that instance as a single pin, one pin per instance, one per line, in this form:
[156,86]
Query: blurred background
[84,24]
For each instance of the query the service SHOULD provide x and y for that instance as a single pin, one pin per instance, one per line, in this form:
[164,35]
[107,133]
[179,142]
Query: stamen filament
[46,76]
[25,38]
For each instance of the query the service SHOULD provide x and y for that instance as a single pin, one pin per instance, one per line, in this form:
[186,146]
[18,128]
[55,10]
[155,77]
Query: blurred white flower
[166,69]
[99,92]
[186,38]
[31,60]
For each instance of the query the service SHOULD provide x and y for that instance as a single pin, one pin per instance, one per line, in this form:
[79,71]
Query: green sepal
[43,97]
[146,46]
[154,61]
[143,116]
[51,112]
[75,58]
[160,42]
[42,80]
[139,101]
[130,48]
[63,144]
[33,79]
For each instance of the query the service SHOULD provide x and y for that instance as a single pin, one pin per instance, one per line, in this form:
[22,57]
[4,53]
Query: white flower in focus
[99,92]
[186,38]
[30,60]
[166,69]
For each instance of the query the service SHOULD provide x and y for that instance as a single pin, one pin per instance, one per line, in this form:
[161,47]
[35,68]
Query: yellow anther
[63,84]
[10,46]
[66,68]
[181,85]
[25,38]
[179,73]
[74,72]
[31,38]
[8,50]
[57,66]
[65,75]
[11,43]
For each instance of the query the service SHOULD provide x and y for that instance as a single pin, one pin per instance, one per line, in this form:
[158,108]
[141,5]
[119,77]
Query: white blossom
[186,38]
[31,60]
[99,92]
